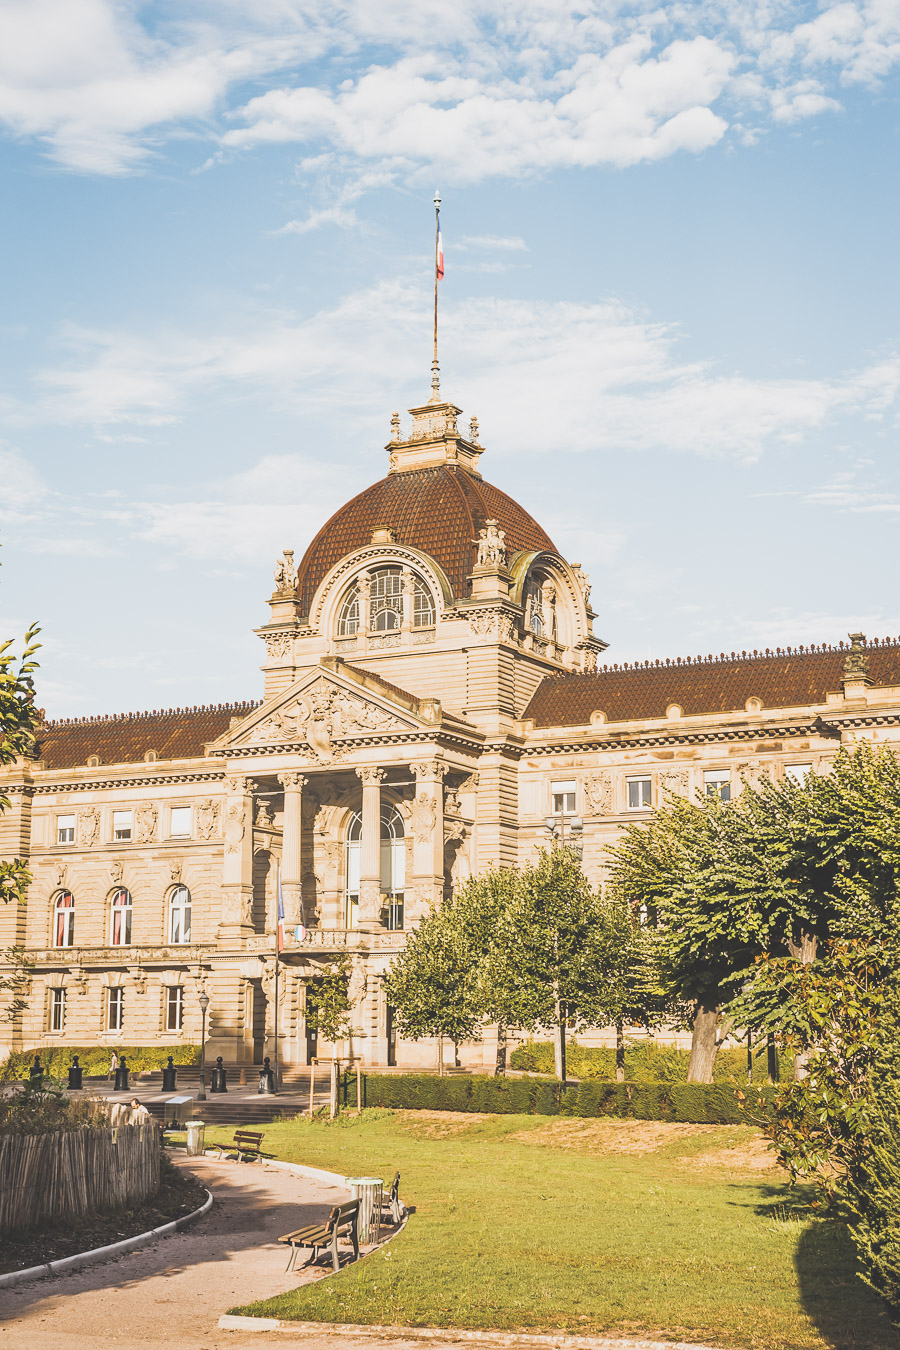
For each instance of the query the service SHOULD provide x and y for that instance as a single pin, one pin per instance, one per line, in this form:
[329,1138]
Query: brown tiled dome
[438,510]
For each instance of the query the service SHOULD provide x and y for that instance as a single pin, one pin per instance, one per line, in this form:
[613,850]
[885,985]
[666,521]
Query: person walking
[113,1065]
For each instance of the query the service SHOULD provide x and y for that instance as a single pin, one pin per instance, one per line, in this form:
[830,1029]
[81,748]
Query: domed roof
[438,510]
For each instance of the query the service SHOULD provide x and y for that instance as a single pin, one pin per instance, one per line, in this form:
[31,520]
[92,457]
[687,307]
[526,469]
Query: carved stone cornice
[98,784]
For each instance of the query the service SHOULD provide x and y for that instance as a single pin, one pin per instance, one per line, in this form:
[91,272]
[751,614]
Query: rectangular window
[797,773]
[57,1009]
[180,822]
[174,1008]
[563,798]
[115,1009]
[717,783]
[65,829]
[638,794]
[121,825]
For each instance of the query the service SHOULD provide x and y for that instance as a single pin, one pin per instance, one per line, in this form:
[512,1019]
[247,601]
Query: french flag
[439,252]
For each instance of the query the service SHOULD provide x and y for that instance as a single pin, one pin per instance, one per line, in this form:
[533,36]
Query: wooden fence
[73,1173]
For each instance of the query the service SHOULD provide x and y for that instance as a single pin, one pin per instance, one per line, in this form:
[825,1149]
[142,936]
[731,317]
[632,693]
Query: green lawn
[565,1233]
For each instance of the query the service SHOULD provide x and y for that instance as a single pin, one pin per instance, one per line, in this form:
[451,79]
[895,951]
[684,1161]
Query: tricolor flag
[279,941]
[439,252]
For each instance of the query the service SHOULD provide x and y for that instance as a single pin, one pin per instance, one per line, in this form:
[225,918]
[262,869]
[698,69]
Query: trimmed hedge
[645,1062]
[94,1059]
[696,1103]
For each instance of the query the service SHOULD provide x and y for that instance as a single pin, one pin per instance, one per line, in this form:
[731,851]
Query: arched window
[386,599]
[348,621]
[64,920]
[120,918]
[423,605]
[393,866]
[180,915]
[534,606]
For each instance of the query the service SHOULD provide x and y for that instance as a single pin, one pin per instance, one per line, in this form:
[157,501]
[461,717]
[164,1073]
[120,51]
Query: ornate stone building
[431,703]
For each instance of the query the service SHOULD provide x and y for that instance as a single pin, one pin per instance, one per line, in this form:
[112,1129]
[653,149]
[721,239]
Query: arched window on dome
[64,920]
[534,606]
[393,866]
[423,605]
[121,909]
[348,619]
[386,599]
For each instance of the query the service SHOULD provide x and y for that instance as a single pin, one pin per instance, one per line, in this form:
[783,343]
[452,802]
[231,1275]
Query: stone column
[370,847]
[237,862]
[427,824]
[293,783]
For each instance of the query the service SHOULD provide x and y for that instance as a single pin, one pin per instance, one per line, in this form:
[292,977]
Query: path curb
[104,1253]
[450,1335]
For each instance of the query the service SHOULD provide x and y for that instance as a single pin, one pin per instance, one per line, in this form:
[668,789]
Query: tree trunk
[620,1052]
[703,1043]
[559,1045]
[440,1056]
[804,950]
[771,1059]
[501,1049]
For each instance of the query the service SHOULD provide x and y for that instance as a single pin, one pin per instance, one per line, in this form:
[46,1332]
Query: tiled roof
[437,510]
[124,738]
[780,679]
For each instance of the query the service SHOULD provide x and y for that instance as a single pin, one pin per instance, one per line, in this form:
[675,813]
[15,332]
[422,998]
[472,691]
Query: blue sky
[671,299]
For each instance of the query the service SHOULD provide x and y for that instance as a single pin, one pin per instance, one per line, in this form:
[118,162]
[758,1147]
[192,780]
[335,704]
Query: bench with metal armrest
[341,1223]
[391,1202]
[245,1144]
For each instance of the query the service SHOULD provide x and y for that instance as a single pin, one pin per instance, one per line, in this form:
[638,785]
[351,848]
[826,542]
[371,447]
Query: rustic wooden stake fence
[73,1173]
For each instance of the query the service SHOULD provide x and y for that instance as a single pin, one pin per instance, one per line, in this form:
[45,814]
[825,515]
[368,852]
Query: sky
[671,299]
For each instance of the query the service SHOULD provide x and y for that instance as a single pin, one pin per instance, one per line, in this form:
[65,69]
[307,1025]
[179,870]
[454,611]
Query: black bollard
[266,1078]
[219,1077]
[36,1073]
[75,1072]
[169,1073]
[122,1076]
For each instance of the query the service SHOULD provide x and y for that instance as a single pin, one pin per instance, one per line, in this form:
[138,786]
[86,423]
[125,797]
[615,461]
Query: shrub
[45,1111]
[94,1059]
[697,1103]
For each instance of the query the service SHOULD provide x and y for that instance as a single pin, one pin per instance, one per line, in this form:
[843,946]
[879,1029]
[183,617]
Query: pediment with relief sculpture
[324,716]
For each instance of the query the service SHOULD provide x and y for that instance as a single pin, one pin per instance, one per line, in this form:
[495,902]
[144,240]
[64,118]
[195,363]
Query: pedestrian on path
[139,1112]
[113,1065]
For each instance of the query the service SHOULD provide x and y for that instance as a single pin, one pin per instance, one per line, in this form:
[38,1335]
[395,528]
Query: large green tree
[782,871]
[19,720]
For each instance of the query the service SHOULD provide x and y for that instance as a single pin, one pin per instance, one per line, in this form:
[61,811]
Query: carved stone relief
[324,712]
[62,870]
[145,819]
[115,871]
[676,781]
[490,623]
[279,646]
[491,545]
[424,816]
[234,826]
[175,866]
[599,790]
[207,816]
[89,822]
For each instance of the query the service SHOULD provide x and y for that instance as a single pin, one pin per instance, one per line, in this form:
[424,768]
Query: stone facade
[431,704]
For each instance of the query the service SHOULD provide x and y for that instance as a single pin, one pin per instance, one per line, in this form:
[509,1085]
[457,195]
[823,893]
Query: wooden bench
[342,1222]
[245,1144]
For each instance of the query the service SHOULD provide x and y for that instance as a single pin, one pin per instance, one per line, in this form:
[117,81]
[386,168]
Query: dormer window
[534,607]
[382,600]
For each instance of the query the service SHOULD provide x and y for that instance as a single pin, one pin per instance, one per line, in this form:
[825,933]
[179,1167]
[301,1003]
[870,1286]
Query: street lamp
[203,1000]
[560,826]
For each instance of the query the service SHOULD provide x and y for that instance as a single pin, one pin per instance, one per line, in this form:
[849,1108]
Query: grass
[525,1222]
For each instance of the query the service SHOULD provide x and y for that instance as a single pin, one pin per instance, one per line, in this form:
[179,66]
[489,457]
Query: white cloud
[845,493]
[542,376]
[328,215]
[508,243]
[476,88]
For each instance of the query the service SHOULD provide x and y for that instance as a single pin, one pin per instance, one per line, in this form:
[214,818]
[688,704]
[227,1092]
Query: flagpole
[435,370]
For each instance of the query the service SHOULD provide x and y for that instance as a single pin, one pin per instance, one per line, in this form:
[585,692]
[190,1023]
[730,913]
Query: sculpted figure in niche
[90,825]
[491,543]
[359,983]
[145,818]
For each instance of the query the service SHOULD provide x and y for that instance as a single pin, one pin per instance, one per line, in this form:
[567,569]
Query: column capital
[429,769]
[292,780]
[238,785]
[371,775]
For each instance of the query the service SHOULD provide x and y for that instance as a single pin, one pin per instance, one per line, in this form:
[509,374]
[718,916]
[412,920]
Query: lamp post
[560,826]
[203,1000]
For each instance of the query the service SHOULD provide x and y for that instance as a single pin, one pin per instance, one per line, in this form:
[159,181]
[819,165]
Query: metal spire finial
[438,274]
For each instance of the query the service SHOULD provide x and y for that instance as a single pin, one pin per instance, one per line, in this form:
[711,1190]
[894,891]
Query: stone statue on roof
[491,544]
[284,572]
